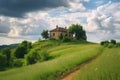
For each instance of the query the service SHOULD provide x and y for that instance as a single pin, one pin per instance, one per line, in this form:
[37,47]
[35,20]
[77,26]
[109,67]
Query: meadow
[65,58]
[105,67]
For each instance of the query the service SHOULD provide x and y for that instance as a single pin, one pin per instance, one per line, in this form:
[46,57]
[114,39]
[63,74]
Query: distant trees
[22,55]
[78,31]
[45,34]
[110,44]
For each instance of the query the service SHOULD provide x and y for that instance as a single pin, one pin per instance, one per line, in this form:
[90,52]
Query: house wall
[56,35]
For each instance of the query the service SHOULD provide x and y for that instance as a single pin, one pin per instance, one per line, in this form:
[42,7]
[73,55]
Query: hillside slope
[105,67]
[65,58]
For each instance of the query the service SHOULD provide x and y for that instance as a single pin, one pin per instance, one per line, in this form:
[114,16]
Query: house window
[53,34]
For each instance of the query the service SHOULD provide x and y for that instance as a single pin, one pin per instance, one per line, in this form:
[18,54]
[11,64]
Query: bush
[104,43]
[32,57]
[65,39]
[43,55]
[111,45]
[18,62]
[3,61]
[35,56]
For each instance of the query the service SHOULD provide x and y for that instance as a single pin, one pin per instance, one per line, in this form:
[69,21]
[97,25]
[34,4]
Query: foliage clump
[110,44]
[45,34]
[78,31]
[36,55]
[3,61]
[18,62]
[22,49]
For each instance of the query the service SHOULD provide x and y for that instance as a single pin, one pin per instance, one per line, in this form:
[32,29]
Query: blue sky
[25,20]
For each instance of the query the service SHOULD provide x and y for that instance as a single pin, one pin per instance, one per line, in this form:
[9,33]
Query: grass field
[105,67]
[65,58]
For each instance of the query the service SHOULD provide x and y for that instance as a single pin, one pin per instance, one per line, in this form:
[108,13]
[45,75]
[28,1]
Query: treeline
[22,55]
[11,46]
[110,44]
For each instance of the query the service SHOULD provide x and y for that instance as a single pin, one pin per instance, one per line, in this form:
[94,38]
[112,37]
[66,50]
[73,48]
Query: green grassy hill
[65,58]
[105,67]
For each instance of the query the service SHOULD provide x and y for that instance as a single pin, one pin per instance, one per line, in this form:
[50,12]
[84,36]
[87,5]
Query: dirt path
[70,75]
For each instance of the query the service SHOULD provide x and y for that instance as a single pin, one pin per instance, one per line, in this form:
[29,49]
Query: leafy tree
[45,34]
[78,31]
[27,45]
[7,53]
[20,51]
[113,41]
[3,61]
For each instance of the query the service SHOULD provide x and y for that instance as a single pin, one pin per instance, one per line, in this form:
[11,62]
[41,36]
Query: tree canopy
[78,31]
[45,34]
[22,49]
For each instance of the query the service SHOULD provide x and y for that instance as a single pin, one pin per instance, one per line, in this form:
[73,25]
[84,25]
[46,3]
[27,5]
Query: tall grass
[68,57]
[106,67]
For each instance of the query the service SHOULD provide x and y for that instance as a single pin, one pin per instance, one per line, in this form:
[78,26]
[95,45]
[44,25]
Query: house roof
[59,29]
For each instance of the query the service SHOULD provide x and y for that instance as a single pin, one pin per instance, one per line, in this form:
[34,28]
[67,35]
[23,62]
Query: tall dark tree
[113,41]
[45,34]
[22,49]
[7,53]
[3,61]
[78,31]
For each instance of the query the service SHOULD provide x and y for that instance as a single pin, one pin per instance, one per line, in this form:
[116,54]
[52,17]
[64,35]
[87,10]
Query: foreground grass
[106,67]
[66,58]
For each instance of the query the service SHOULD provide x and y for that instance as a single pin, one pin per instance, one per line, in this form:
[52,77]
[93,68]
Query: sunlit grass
[106,67]
[66,58]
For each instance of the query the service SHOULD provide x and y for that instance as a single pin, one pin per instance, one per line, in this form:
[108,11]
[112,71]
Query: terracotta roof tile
[60,29]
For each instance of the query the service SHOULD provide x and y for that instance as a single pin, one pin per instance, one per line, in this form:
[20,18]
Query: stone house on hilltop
[58,31]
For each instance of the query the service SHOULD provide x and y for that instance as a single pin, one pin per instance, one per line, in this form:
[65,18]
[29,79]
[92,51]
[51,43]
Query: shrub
[110,45]
[32,57]
[117,44]
[104,43]
[65,39]
[18,62]
[43,55]
[35,56]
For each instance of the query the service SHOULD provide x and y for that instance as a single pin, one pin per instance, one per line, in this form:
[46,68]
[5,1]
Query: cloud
[4,26]
[104,21]
[17,8]
[100,23]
